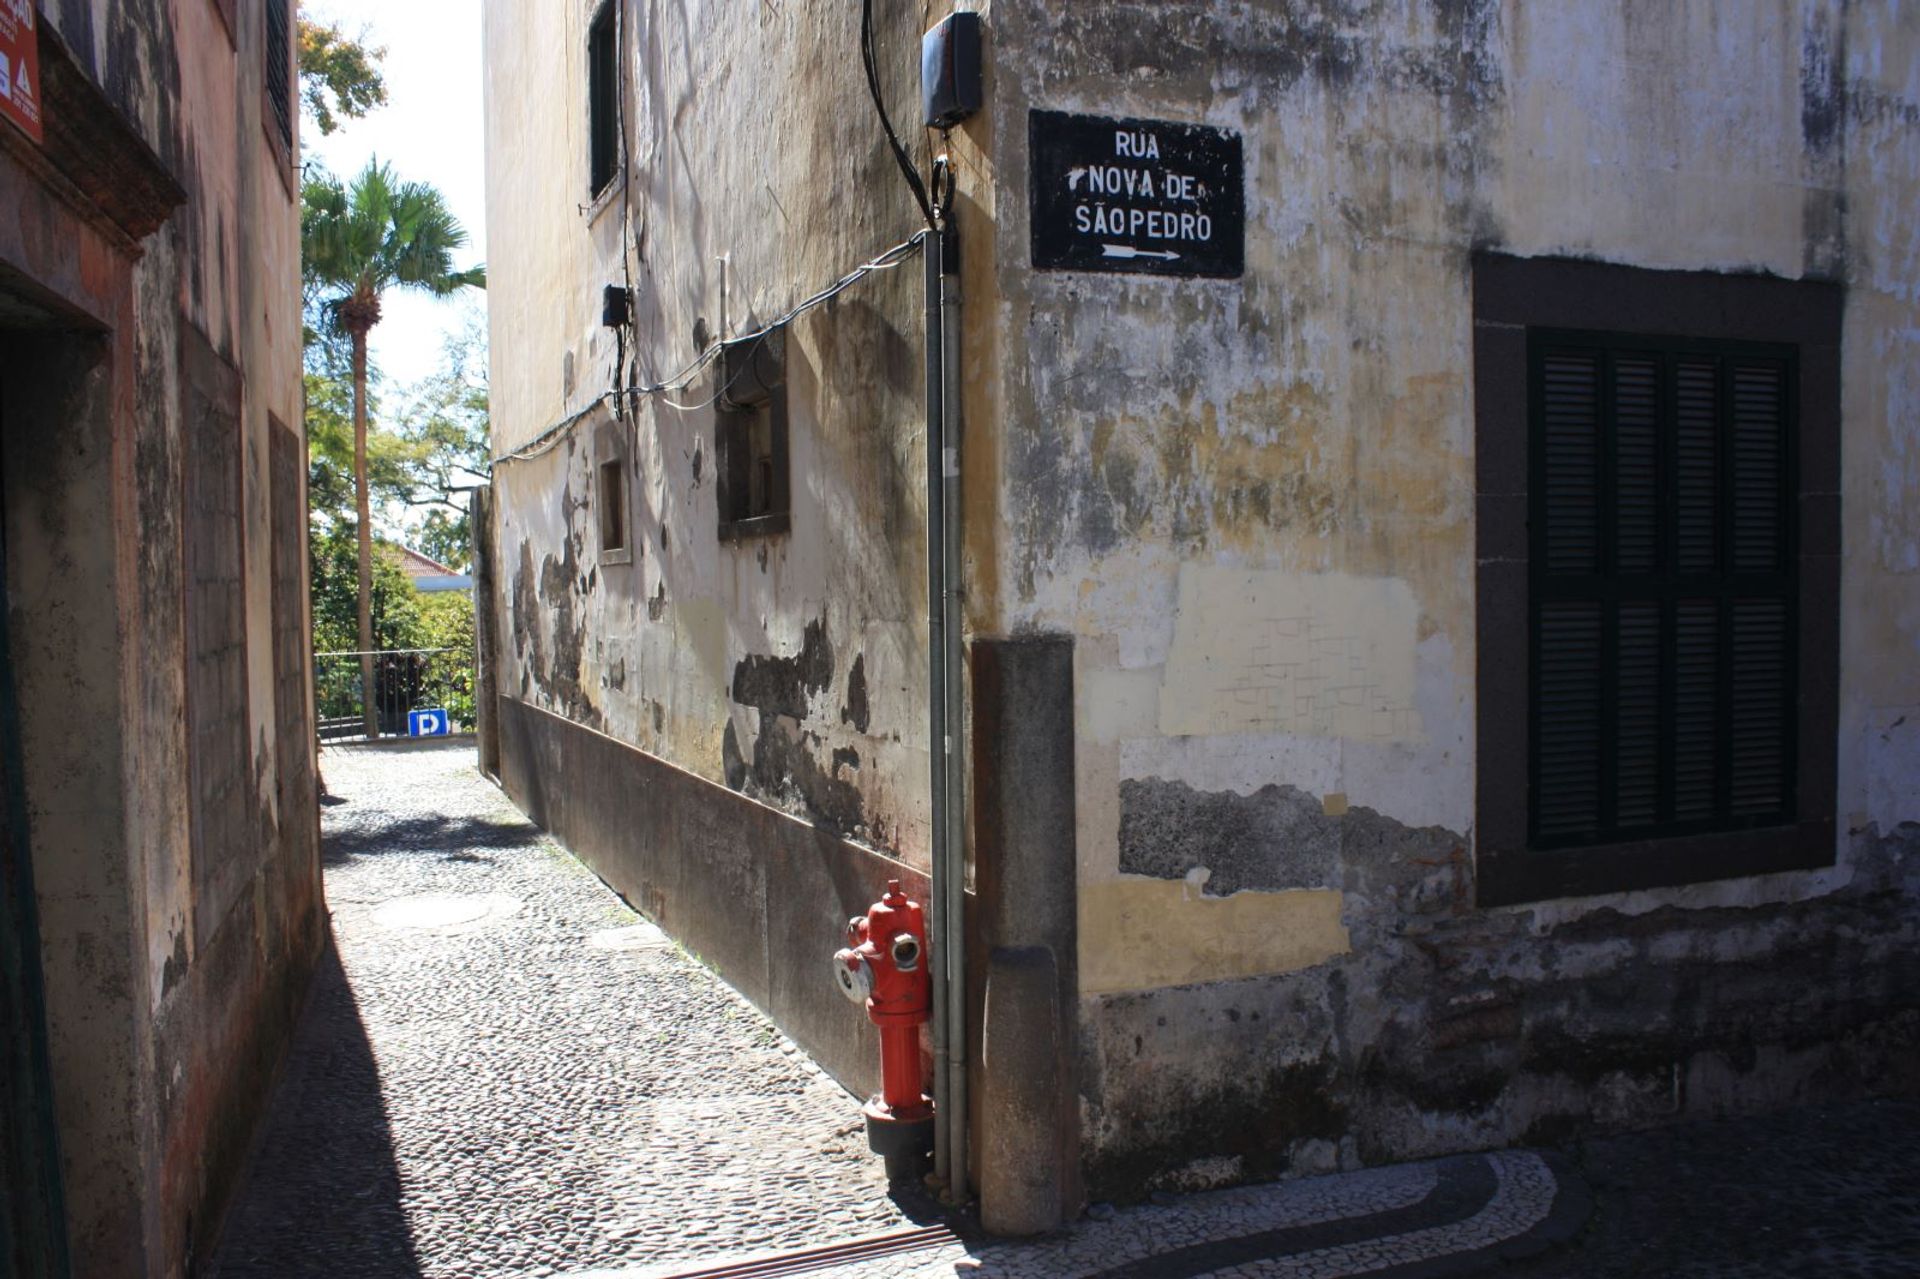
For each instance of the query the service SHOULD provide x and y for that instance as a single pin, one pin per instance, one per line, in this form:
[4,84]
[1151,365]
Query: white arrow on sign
[1128,251]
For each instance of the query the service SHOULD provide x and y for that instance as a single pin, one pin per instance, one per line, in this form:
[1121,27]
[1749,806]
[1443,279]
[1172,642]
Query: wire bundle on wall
[551,437]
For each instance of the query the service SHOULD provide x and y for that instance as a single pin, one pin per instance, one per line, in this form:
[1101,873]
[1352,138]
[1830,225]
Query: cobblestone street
[508,1073]
[504,1071]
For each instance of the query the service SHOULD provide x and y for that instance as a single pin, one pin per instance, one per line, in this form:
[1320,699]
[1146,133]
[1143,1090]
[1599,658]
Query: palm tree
[357,242]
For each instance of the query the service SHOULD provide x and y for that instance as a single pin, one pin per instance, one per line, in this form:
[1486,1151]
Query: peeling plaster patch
[526,616]
[855,712]
[784,772]
[1278,837]
[785,685]
[1321,654]
[560,679]
[1142,934]
[1241,762]
[733,765]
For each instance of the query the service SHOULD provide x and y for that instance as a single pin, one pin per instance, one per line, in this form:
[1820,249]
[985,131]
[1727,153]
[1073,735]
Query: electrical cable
[550,438]
[871,62]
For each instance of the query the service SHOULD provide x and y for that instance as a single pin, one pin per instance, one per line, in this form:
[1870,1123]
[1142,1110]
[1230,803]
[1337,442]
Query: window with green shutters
[1662,587]
[1657,573]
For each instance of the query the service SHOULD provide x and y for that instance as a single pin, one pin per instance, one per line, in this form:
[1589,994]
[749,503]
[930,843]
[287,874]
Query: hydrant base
[903,1143]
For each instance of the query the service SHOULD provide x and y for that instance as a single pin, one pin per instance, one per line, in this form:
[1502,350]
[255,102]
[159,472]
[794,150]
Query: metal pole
[952,583]
[937,712]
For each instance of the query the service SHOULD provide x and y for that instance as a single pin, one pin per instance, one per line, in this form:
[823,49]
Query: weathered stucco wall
[791,666]
[1204,481]
[1251,505]
[174,968]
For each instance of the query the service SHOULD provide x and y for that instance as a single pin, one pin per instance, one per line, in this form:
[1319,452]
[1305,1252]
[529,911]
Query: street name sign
[1145,197]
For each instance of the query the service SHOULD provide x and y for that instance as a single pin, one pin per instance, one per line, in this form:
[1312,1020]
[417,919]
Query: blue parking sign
[427,723]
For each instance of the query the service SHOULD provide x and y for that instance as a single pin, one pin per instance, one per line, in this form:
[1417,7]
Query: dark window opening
[751,439]
[1657,546]
[603,102]
[279,69]
[612,499]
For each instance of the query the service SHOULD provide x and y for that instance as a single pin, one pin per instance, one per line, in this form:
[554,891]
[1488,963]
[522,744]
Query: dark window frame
[613,510]
[1515,302]
[280,108]
[603,99]
[753,393]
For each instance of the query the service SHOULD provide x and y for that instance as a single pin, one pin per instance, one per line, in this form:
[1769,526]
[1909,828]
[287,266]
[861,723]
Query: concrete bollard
[1020,1175]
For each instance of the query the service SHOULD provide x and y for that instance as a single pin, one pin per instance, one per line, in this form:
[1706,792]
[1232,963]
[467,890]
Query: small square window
[751,439]
[611,499]
[603,102]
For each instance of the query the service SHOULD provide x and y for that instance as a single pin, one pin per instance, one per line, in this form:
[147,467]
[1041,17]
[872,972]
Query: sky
[429,131]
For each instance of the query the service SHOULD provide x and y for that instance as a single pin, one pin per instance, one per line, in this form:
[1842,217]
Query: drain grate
[806,1260]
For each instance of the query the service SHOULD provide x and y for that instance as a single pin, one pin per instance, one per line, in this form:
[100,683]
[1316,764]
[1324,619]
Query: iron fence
[404,680]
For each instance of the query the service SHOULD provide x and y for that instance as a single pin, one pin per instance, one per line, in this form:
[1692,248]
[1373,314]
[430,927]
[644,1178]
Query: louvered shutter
[1662,588]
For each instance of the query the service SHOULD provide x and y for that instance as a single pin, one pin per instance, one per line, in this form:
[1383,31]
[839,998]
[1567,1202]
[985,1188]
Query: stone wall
[155,255]
[1252,503]
[788,666]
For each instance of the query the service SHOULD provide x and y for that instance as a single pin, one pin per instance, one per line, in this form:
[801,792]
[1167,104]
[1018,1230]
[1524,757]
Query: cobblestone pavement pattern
[1445,1217]
[508,1073]
[1831,1192]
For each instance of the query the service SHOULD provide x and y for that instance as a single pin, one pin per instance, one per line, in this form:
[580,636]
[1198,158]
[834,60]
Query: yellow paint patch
[1142,934]
[1334,805]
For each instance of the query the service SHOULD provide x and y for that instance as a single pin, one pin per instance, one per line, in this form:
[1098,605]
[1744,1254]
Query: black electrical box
[950,70]
[616,307]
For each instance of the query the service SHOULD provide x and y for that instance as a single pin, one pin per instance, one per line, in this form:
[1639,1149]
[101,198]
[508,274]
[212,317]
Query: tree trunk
[370,711]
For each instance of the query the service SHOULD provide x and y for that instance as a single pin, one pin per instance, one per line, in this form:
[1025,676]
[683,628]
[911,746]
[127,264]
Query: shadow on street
[411,835]
[331,1202]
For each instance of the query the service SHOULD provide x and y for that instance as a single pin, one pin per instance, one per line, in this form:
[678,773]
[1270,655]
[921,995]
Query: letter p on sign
[427,723]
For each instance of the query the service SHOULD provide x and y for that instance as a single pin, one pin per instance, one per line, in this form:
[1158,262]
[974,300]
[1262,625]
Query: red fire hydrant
[884,966]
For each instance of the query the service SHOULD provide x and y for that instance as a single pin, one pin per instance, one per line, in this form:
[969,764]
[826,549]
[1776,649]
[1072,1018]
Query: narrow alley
[503,1071]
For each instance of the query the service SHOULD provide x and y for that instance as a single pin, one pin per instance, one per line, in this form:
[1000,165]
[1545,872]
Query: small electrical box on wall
[950,89]
[616,307]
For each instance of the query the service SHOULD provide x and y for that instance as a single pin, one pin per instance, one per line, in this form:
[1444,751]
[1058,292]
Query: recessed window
[611,499]
[278,53]
[1658,573]
[751,438]
[603,102]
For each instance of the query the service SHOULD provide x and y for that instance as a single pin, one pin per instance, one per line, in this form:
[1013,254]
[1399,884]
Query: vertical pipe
[952,582]
[937,711]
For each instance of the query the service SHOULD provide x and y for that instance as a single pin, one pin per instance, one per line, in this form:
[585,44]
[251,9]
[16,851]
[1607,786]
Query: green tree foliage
[335,571]
[339,75]
[437,629]
[443,424]
[418,468]
[356,242]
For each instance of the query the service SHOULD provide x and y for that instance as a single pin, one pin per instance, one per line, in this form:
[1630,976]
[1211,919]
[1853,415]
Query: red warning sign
[19,66]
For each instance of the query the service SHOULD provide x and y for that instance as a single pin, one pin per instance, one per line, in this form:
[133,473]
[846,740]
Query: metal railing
[404,680]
